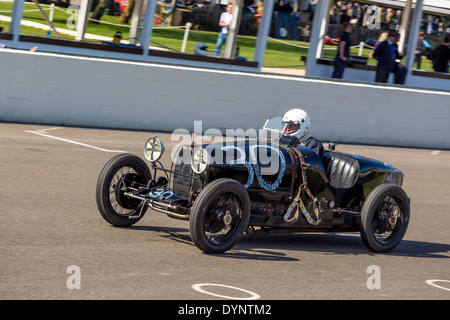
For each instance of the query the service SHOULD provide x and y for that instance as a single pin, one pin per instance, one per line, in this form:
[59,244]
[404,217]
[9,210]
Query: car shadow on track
[340,244]
[182,235]
[265,247]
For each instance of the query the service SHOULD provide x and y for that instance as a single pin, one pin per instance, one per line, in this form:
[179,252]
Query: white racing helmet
[298,123]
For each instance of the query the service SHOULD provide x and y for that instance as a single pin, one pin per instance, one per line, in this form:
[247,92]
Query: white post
[361,47]
[82,19]
[234,29]
[318,30]
[52,9]
[263,33]
[412,39]
[186,36]
[323,27]
[135,20]
[406,16]
[17,13]
[147,26]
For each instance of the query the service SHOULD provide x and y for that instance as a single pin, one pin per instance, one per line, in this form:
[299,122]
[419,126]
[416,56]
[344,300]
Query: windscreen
[273,129]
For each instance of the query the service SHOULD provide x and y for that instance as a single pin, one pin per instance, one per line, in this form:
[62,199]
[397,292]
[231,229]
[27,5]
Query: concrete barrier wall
[46,88]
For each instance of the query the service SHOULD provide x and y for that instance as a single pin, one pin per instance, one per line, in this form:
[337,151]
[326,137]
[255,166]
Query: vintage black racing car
[228,188]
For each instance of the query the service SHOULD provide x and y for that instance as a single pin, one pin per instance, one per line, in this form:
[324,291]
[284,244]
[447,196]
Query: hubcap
[387,221]
[223,218]
[227,218]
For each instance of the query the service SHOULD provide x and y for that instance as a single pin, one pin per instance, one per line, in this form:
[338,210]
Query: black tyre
[219,216]
[384,218]
[120,173]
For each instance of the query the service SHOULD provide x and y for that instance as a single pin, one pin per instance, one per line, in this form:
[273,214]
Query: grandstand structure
[141,32]
[409,30]
[142,23]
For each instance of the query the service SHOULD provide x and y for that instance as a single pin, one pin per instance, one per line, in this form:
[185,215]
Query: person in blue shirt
[389,61]
[224,23]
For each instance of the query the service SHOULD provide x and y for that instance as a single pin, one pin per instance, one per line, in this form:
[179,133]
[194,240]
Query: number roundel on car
[276,160]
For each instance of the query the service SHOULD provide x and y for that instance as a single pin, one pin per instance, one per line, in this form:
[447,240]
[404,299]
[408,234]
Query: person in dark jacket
[342,52]
[441,56]
[389,61]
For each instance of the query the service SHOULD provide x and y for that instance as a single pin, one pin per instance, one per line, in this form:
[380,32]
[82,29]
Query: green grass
[277,54]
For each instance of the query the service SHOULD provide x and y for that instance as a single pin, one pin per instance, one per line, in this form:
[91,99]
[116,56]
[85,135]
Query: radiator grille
[181,163]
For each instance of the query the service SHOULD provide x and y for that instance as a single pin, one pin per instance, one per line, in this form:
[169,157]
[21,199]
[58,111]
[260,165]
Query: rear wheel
[219,216]
[384,218]
[119,174]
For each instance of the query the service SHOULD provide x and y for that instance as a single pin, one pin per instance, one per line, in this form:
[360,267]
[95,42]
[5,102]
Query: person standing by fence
[388,60]
[343,51]
[224,23]
[441,56]
[420,49]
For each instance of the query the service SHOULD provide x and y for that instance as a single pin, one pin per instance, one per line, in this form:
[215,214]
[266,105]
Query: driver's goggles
[292,126]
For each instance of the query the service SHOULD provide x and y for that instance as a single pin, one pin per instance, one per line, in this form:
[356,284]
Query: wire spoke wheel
[384,218]
[219,216]
[121,182]
[121,174]
[223,218]
[387,221]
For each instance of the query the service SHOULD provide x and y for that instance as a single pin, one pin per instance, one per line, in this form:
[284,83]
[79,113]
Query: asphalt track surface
[50,222]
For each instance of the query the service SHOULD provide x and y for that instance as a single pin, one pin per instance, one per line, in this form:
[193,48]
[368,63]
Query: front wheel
[384,218]
[219,216]
[119,174]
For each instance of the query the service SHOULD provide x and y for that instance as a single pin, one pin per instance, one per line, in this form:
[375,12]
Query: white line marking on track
[436,152]
[43,133]
[432,283]
[198,287]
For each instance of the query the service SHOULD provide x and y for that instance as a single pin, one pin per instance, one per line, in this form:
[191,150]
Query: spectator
[383,14]
[100,9]
[283,6]
[344,16]
[224,23]
[343,51]
[350,12]
[388,16]
[388,60]
[420,48]
[430,25]
[383,36]
[359,15]
[334,14]
[126,15]
[397,19]
[306,33]
[442,56]
[258,14]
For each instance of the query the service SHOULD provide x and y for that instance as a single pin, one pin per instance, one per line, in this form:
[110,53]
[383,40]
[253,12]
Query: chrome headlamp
[153,149]
[200,160]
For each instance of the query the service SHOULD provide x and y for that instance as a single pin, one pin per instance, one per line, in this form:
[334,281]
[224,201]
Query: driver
[298,126]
